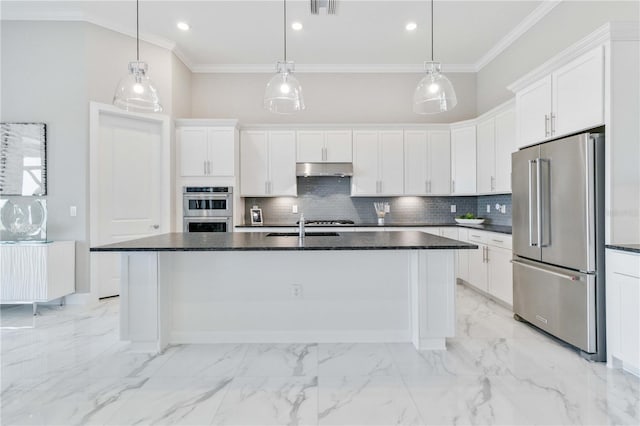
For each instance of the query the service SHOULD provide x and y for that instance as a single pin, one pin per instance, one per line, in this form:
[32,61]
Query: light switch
[294,208]
[73,211]
[488,208]
[453,208]
[503,208]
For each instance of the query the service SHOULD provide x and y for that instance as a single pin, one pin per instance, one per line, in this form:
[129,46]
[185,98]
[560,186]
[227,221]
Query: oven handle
[206,196]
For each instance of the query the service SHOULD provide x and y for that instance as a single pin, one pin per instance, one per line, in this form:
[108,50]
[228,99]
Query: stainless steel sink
[306,234]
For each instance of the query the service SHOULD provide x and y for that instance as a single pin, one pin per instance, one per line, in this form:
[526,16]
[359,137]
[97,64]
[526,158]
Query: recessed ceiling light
[411,26]
[297,26]
[183,26]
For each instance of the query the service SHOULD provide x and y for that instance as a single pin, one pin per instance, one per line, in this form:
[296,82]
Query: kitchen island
[261,287]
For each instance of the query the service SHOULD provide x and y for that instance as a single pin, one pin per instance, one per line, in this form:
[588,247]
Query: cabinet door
[478,268]
[193,151]
[221,151]
[282,163]
[533,109]
[629,288]
[463,160]
[578,94]
[310,146]
[486,156]
[365,163]
[415,162]
[391,162]
[500,277]
[505,144]
[338,146]
[254,160]
[439,162]
[449,232]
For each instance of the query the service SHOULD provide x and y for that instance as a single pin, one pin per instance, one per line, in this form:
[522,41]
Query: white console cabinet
[36,272]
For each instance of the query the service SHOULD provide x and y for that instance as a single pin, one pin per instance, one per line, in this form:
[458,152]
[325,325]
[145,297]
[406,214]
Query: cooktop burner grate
[328,222]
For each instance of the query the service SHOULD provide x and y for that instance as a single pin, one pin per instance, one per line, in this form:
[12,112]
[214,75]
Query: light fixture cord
[138,30]
[284,30]
[431,30]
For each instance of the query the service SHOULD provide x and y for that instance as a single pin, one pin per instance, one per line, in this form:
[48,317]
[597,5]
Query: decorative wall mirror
[23,159]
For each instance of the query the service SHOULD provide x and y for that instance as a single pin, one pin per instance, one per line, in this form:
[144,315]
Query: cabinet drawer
[499,240]
[478,237]
[623,263]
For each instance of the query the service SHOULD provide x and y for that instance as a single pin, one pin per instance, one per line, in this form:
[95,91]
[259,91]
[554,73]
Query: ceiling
[243,35]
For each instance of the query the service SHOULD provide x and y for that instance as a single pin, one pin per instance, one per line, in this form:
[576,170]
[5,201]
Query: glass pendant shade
[283,94]
[136,92]
[434,93]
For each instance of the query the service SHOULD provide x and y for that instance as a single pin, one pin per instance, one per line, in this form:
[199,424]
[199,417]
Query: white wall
[330,98]
[50,73]
[566,24]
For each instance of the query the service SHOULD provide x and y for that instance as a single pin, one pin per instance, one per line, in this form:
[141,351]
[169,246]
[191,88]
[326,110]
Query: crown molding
[616,31]
[329,68]
[525,25]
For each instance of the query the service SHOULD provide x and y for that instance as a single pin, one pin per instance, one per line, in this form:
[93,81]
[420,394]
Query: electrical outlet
[296,291]
[387,208]
[503,208]
[488,208]
[453,208]
[294,208]
[73,211]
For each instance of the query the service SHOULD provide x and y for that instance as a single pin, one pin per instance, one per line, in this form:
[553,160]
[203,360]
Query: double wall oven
[207,208]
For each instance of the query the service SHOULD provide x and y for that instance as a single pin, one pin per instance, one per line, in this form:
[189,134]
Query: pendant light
[435,92]
[135,91]
[283,94]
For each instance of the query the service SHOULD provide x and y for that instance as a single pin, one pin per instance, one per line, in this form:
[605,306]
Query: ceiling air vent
[329,5]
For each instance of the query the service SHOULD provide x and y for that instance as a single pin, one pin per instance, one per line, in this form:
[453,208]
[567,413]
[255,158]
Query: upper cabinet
[268,163]
[319,146]
[427,162]
[377,163]
[463,160]
[495,143]
[206,151]
[568,100]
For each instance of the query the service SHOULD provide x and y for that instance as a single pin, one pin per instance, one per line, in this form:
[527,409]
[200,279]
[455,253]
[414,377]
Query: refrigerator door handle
[539,200]
[545,191]
[531,243]
[557,274]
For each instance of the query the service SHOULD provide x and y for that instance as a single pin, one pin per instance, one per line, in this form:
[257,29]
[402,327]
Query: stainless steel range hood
[324,169]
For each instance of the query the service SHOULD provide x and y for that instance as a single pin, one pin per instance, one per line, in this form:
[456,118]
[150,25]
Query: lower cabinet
[623,310]
[488,268]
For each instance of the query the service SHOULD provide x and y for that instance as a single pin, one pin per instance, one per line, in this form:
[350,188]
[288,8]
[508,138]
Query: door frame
[96,110]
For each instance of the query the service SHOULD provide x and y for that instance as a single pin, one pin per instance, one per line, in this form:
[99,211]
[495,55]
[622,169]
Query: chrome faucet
[301,226]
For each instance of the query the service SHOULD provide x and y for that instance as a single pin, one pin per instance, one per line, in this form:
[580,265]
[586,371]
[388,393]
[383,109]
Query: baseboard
[288,336]
[81,299]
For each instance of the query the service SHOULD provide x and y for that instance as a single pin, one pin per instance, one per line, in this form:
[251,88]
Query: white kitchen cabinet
[377,163]
[427,162]
[268,163]
[489,267]
[623,310]
[36,272]
[463,257]
[568,100]
[318,146]
[206,151]
[463,160]
[495,144]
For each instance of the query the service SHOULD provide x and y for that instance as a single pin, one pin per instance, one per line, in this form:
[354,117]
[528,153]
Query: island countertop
[258,241]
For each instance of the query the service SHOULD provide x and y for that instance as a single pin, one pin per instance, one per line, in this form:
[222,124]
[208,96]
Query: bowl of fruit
[469,219]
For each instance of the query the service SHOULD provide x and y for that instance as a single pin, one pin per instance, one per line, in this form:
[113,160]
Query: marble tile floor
[67,367]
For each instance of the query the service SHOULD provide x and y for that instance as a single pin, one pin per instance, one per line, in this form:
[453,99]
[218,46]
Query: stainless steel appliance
[558,240]
[327,222]
[207,208]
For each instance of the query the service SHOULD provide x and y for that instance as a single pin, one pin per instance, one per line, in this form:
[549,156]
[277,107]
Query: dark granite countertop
[257,241]
[502,229]
[633,248]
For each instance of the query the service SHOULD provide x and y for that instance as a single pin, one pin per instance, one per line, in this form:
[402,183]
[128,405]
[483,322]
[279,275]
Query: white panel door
[500,279]
[338,146]
[578,94]
[505,143]
[254,161]
[193,151]
[463,160]
[130,181]
[478,268]
[221,152]
[533,112]
[391,162]
[486,156]
[415,162]
[365,163]
[282,163]
[310,146]
[439,162]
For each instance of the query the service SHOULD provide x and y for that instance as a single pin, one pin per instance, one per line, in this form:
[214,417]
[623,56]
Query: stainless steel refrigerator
[558,240]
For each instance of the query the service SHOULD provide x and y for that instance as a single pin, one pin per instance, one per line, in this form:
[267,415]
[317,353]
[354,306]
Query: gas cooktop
[329,222]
